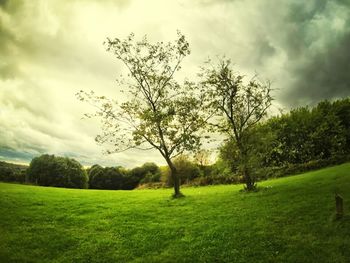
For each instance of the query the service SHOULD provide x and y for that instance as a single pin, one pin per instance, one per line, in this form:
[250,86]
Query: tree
[10,172]
[112,178]
[237,107]
[49,170]
[151,173]
[95,172]
[157,111]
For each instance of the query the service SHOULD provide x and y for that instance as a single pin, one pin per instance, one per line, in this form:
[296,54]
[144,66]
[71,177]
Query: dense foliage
[110,178]
[12,172]
[303,139]
[118,178]
[49,170]
[147,173]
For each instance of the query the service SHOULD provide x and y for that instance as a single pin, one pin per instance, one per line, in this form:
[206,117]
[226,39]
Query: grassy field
[289,220]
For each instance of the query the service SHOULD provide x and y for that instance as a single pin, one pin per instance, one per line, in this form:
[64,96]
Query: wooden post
[339,206]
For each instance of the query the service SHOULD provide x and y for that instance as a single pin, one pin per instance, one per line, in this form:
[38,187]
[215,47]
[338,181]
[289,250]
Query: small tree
[158,111]
[238,107]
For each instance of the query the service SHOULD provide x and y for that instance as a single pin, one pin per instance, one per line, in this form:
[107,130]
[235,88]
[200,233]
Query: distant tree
[138,172]
[342,110]
[328,136]
[49,170]
[158,111]
[150,168]
[202,157]
[95,172]
[147,173]
[186,169]
[10,172]
[110,178]
[151,173]
[237,107]
[129,181]
[113,178]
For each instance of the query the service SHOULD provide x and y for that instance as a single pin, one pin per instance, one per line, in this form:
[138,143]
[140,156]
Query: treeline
[50,170]
[301,140]
[119,178]
[10,172]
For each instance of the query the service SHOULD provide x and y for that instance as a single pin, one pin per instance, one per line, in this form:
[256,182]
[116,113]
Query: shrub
[49,170]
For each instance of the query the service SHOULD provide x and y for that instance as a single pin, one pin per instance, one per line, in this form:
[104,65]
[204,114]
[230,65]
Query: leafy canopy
[158,112]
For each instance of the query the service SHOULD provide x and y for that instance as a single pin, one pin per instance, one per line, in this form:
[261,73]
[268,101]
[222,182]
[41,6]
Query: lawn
[290,219]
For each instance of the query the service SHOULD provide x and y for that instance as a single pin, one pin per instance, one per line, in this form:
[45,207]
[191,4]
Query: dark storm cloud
[318,53]
[326,75]
[7,154]
[301,44]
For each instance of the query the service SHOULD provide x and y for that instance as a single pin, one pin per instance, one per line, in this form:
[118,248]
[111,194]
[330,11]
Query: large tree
[237,106]
[157,112]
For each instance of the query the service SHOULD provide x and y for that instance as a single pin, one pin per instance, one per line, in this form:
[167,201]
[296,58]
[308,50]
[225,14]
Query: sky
[51,49]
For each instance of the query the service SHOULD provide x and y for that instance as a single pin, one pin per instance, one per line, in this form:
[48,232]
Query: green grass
[290,220]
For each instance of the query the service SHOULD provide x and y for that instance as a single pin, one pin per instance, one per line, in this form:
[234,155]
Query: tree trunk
[250,184]
[243,158]
[175,178]
[248,180]
[176,181]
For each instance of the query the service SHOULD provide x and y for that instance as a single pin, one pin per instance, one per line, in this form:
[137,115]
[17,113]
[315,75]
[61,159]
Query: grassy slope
[290,221]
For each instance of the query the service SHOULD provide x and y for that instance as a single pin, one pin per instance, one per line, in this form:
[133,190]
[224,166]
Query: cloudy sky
[50,49]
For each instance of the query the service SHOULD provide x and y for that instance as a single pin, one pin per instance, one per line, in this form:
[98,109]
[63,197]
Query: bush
[49,170]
